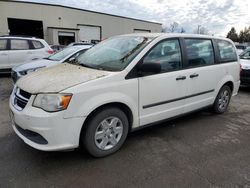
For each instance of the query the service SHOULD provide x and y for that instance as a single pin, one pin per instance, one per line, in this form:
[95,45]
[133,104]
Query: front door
[161,95]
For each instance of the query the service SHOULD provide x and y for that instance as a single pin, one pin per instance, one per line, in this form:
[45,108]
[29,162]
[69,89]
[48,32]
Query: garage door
[89,33]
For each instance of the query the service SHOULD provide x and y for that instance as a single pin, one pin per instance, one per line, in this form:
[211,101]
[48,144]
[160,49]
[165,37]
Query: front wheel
[222,100]
[105,132]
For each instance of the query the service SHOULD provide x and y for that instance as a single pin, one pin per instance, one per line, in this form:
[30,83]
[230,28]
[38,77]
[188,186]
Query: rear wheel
[222,100]
[105,132]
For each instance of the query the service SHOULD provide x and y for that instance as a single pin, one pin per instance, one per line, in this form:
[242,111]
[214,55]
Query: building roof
[74,8]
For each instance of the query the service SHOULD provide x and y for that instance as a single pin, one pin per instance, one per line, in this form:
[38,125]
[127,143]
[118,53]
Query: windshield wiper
[50,59]
[134,49]
[92,66]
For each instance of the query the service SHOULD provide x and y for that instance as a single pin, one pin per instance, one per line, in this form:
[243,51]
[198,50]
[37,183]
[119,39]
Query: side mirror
[149,68]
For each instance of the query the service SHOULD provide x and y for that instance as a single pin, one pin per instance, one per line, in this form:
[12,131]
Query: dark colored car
[245,66]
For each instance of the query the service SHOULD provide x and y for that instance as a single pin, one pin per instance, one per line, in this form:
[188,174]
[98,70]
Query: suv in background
[15,50]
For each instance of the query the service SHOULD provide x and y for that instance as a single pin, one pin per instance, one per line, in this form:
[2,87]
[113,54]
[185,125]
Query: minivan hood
[57,78]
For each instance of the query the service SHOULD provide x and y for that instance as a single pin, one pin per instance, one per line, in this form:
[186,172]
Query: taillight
[50,51]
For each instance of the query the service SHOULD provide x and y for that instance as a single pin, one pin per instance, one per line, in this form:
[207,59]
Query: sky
[217,16]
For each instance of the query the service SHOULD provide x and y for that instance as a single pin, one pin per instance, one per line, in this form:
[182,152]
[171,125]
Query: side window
[167,54]
[19,44]
[227,51]
[199,52]
[3,44]
[37,44]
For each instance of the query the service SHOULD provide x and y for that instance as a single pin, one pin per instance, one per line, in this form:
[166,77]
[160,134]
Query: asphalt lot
[198,150]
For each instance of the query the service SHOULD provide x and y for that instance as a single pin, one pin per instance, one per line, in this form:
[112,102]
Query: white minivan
[16,50]
[122,84]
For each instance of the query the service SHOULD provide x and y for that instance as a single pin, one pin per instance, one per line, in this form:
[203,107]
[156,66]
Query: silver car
[62,56]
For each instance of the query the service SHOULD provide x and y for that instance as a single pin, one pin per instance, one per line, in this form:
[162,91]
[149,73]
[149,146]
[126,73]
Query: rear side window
[167,54]
[3,44]
[227,51]
[37,44]
[199,52]
[19,44]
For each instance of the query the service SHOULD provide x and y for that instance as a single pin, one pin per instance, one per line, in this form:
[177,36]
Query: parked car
[57,48]
[79,44]
[245,66]
[16,50]
[60,57]
[123,84]
[240,48]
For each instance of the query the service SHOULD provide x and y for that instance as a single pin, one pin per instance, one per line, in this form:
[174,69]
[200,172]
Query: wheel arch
[122,106]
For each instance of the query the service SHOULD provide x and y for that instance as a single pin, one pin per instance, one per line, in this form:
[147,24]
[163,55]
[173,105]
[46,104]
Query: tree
[201,30]
[183,30]
[173,28]
[233,35]
[244,35]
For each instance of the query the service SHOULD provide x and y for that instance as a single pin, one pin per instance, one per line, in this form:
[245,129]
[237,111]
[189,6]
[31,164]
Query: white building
[61,24]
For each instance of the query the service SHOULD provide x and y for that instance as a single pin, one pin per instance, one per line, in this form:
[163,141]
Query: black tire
[218,108]
[88,134]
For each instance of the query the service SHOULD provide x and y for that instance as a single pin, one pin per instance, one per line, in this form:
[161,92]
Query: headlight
[24,72]
[52,102]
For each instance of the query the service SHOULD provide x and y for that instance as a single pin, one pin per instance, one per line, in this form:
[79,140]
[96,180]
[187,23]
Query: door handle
[181,78]
[4,54]
[194,75]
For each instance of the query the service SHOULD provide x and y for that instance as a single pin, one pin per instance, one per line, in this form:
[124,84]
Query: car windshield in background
[113,54]
[245,55]
[62,54]
[240,47]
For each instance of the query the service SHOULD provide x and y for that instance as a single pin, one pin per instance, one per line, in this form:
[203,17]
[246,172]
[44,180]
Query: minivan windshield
[63,53]
[113,54]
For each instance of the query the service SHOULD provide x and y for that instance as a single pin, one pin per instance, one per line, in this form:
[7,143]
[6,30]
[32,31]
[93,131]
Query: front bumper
[46,131]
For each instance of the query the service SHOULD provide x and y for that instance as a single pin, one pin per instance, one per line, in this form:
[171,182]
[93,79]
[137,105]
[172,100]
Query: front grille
[21,98]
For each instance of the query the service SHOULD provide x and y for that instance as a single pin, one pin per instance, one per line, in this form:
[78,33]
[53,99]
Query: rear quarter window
[19,44]
[227,51]
[37,44]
